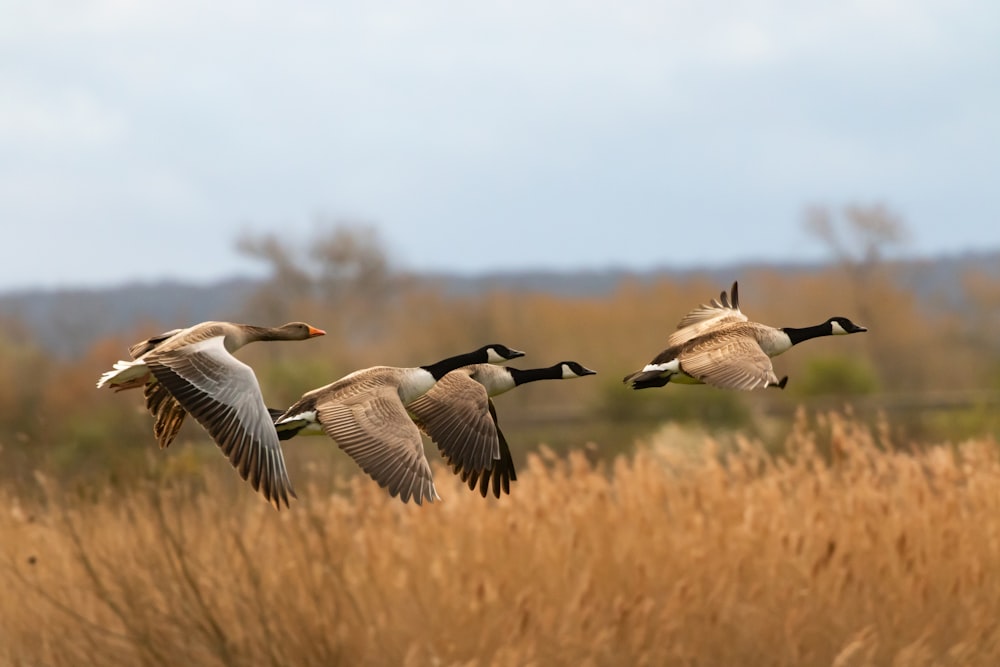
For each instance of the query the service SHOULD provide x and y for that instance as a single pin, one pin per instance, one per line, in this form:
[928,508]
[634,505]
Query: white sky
[139,139]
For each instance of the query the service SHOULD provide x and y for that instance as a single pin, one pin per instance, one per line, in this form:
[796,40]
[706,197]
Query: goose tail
[645,379]
[124,375]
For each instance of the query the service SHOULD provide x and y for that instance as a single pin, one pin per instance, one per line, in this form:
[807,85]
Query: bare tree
[287,276]
[352,263]
[862,236]
[344,269]
[858,239]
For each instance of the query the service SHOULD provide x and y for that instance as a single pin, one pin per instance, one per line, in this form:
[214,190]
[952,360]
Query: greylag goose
[193,371]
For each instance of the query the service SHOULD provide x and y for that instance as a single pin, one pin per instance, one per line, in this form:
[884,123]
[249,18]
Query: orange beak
[313,331]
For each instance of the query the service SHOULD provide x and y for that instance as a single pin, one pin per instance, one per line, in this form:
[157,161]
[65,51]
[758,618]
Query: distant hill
[938,276]
[69,320]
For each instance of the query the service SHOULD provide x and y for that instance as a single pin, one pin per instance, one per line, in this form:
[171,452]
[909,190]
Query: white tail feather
[121,372]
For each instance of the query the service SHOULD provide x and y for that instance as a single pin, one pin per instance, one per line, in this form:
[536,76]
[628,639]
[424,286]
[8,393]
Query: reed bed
[843,551]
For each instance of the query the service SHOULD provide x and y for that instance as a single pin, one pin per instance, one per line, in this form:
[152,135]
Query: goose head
[571,369]
[840,326]
[299,331]
[497,353]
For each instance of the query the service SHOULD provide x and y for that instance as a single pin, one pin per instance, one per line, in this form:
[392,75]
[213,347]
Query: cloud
[439,119]
[34,118]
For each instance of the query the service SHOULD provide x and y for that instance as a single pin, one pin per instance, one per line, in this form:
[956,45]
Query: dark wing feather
[500,475]
[142,347]
[168,415]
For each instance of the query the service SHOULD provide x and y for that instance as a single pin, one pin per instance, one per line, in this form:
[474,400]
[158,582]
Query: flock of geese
[376,414]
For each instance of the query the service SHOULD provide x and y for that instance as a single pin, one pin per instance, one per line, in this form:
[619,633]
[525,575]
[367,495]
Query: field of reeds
[846,549]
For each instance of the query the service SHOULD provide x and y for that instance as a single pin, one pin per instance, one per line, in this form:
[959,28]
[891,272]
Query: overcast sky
[139,139]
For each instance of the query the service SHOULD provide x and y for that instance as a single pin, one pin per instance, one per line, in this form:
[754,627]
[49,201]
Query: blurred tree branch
[861,236]
[343,269]
[858,239]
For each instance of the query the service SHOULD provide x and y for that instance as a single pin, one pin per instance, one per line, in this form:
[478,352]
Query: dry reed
[842,552]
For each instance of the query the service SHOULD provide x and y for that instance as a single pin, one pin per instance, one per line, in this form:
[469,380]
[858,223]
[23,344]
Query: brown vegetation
[752,537]
[845,552]
[52,419]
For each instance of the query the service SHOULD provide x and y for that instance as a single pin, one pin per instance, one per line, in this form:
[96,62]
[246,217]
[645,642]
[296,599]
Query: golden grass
[671,556]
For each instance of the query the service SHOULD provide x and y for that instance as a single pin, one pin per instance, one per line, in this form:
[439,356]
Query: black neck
[535,374]
[445,366]
[805,333]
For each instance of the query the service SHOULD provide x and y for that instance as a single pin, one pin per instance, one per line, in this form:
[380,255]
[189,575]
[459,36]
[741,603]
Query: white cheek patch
[567,372]
[493,358]
[837,329]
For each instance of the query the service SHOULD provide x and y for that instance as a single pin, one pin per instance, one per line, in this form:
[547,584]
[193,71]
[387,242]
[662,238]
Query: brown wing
[709,316]
[222,394]
[733,361]
[500,475]
[374,429]
[455,415]
[168,415]
[142,347]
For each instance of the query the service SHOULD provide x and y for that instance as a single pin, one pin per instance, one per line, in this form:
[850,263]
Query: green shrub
[835,376]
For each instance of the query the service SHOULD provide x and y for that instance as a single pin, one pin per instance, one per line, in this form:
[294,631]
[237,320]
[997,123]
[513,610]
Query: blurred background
[568,179]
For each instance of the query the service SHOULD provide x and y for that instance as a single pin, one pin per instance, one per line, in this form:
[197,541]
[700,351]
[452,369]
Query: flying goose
[365,413]
[193,371]
[716,344]
[458,414]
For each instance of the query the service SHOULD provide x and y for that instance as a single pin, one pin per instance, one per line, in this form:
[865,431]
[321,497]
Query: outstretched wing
[709,316]
[222,394]
[455,415]
[729,362]
[137,350]
[375,430]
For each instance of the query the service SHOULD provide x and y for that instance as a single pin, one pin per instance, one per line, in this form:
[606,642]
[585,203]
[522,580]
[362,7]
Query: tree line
[939,370]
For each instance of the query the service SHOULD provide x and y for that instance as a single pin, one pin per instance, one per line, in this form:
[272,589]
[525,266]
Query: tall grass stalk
[844,551]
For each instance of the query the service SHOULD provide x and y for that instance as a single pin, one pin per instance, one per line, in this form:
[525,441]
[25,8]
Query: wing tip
[281,496]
